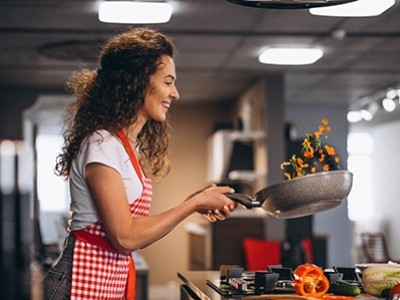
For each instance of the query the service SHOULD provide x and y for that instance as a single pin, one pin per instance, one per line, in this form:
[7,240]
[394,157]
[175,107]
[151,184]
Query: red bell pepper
[309,280]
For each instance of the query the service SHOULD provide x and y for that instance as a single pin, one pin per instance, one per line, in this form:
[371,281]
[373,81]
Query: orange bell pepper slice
[309,280]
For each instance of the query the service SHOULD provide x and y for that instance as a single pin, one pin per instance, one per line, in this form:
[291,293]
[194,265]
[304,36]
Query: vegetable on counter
[395,290]
[385,293]
[344,288]
[378,278]
[309,280]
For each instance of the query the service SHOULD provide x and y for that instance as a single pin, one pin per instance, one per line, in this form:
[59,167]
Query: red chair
[260,254]
[308,250]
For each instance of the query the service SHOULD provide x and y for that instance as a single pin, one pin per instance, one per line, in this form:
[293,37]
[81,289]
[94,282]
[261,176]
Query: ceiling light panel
[134,12]
[290,56]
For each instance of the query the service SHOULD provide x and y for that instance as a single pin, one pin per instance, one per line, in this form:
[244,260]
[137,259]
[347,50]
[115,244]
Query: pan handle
[245,200]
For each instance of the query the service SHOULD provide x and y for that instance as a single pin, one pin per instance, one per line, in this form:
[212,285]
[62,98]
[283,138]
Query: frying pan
[300,196]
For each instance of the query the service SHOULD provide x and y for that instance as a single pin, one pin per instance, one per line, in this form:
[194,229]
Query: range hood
[289,4]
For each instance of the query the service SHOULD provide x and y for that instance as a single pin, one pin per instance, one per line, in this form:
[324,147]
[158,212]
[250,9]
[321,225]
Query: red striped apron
[99,272]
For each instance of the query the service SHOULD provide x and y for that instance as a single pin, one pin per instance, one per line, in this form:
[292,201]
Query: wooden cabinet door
[227,239]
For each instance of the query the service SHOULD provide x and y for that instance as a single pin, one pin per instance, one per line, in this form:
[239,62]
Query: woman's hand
[212,202]
[217,214]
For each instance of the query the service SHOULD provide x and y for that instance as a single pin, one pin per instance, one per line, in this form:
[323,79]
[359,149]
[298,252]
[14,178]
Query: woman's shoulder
[101,136]
[101,139]
[103,143]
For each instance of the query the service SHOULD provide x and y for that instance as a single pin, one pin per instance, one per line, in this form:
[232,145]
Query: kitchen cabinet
[199,251]
[220,243]
[227,239]
[194,285]
[142,271]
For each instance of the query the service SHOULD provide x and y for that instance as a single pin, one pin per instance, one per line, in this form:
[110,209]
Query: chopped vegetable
[309,280]
[315,155]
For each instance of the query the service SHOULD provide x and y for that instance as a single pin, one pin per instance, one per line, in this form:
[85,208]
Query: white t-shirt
[100,147]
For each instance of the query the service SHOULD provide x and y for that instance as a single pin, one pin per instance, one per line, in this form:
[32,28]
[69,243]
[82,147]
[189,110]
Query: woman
[117,132]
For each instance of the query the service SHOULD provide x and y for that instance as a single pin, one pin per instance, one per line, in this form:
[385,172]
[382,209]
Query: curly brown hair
[109,98]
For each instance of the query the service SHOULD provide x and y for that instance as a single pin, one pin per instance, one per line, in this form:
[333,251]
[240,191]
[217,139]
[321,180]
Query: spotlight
[354,116]
[388,104]
[391,93]
[366,115]
[369,112]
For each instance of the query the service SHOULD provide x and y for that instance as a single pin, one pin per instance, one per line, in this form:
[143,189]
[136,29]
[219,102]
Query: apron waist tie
[104,243]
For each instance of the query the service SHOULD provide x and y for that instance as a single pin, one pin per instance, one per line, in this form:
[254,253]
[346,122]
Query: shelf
[246,135]
[231,154]
[244,175]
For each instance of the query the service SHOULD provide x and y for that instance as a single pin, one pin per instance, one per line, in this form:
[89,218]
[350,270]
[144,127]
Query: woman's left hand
[215,214]
[219,214]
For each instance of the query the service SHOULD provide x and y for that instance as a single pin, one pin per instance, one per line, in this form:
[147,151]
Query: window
[42,132]
[359,147]
[52,189]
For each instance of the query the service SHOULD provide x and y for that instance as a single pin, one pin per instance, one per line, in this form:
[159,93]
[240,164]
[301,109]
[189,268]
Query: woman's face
[162,91]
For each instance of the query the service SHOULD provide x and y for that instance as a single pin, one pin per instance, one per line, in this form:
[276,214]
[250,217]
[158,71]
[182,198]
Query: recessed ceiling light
[134,12]
[290,56]
[360,8]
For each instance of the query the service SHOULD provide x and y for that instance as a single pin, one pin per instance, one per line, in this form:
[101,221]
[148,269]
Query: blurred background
[238,119]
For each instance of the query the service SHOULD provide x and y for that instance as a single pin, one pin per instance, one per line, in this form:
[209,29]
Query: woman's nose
[175,93]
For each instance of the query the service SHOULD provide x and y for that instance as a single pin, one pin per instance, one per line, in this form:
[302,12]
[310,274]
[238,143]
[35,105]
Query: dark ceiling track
[289,4]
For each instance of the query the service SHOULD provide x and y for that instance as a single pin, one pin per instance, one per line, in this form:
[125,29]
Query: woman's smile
[162,91]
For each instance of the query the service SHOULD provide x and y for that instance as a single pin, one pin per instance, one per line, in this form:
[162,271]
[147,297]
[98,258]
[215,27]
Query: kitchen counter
[194,286]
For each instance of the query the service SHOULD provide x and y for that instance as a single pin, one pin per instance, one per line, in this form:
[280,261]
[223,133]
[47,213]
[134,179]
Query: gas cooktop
[274,280]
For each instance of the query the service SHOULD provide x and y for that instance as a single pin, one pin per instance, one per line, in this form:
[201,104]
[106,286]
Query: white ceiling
[43,41]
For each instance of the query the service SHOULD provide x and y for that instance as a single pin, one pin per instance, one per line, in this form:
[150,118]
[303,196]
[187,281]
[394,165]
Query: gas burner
[289,4]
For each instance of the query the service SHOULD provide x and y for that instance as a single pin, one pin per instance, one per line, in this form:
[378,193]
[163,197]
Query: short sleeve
[104,148]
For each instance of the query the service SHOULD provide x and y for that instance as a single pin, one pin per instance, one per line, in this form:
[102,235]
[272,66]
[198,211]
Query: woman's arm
[129,234]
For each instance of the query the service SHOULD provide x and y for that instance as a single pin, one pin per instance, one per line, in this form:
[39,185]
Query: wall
[333,223]
[192,126]
[385,181]
[13,102]
[267,100]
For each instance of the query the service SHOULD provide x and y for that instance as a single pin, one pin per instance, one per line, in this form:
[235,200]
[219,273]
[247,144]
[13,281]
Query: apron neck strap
[125,142]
